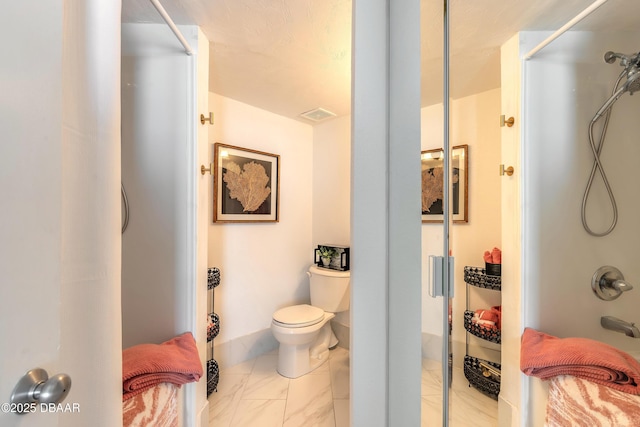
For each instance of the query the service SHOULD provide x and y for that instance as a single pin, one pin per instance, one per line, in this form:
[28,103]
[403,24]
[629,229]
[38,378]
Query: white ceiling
[291,56]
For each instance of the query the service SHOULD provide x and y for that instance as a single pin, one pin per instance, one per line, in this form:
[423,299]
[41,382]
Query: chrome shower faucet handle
[608,283]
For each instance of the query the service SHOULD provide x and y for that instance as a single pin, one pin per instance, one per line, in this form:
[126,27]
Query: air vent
[318,114]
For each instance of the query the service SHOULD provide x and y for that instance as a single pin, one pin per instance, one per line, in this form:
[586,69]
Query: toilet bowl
[305,335]
[304,331]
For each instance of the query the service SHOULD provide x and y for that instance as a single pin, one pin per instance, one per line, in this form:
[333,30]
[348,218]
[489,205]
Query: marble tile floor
[467,406]
[253,394]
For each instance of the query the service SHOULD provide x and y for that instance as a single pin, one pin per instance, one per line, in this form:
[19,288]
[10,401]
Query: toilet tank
[329,289]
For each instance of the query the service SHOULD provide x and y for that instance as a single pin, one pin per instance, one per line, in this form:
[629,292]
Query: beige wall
[262,266]
[332,181]
[332,187]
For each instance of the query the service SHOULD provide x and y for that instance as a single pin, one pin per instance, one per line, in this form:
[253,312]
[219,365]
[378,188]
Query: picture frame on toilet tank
[246,185]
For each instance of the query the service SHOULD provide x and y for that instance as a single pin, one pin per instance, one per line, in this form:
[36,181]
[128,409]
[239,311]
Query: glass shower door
[437,212]
[450,140]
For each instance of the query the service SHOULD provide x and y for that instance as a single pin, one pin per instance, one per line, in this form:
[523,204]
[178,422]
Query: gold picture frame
[246,185]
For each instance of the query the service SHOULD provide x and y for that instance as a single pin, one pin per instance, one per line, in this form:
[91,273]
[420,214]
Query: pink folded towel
[147,365]
[496,256]
[493,257]
[545,356]
[485,318]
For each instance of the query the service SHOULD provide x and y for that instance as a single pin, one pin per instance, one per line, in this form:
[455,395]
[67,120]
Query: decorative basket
[489,334]
[473,371]
[213,277]
[493,269]
[213,375]
[477,276]
[213,327]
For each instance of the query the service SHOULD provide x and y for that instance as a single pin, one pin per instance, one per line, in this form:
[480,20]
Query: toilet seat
[298,316]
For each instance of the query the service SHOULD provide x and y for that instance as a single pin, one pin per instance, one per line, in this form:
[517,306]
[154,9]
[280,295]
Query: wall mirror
[432,184]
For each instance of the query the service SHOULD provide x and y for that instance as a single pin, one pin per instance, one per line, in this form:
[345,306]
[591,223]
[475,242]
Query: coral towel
[493,257]
[485,318]
[545,356]
[146,365]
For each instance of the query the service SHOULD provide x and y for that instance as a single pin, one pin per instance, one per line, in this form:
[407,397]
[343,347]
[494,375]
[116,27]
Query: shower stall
[163,263]
[155,139]
[563,87]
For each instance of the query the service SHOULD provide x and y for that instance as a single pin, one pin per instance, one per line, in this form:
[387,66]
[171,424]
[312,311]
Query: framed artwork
[433,184]
[246,185]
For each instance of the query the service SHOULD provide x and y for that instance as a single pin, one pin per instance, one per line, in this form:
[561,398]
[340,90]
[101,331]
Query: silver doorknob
[36,386]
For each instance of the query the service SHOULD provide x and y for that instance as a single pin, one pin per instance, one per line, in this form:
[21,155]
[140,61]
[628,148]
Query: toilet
[304,331]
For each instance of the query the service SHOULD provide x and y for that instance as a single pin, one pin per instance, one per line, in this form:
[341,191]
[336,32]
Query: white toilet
[304,331]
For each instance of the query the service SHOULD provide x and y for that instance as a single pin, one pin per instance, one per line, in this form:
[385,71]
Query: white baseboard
[204,415]
[431,347]
[244,348]
[508,415]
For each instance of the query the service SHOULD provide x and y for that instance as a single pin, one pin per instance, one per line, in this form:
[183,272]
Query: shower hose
[125,202]
[597,167]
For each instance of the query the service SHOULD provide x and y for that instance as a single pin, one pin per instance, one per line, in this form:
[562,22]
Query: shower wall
[164,247]
[563,86]
[157,85]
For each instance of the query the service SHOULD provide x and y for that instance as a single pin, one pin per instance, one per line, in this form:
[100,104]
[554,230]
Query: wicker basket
[213,327]
[213,277]
[474,374]
[213,375]
[477,276]
[489,334]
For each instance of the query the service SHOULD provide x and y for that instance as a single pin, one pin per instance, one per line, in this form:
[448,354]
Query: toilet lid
[299,315]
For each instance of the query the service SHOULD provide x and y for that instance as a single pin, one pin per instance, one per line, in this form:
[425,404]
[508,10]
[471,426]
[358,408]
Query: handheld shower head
[631,71]
[610,57]
[633,82]
[625,60]
[631,85]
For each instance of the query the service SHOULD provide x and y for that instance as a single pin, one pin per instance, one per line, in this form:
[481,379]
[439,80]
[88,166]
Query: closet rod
[588,11]
[171,25]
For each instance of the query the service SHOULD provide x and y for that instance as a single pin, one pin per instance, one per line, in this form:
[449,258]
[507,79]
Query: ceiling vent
[317,115]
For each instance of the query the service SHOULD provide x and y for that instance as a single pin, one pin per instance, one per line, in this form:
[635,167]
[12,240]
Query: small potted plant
[325,255]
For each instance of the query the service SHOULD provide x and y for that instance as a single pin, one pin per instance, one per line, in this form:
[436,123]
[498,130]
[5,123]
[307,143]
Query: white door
[60,192]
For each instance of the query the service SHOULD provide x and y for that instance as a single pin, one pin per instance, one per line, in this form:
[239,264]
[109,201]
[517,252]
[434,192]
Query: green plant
[325,252]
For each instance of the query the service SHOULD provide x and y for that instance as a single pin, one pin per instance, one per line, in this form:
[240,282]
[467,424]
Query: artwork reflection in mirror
[433,185]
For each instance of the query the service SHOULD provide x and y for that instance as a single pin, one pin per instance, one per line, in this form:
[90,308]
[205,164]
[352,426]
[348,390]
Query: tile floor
[468,407]
[253,394]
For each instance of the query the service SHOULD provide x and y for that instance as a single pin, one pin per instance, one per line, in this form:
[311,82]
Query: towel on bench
[145,365]
[545,356]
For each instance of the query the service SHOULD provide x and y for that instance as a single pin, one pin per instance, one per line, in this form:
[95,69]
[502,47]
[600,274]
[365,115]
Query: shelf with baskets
[482,374]
[213,329]
[477,276]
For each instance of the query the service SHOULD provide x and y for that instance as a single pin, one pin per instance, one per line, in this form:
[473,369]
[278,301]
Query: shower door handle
[436,286]
[436,276]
